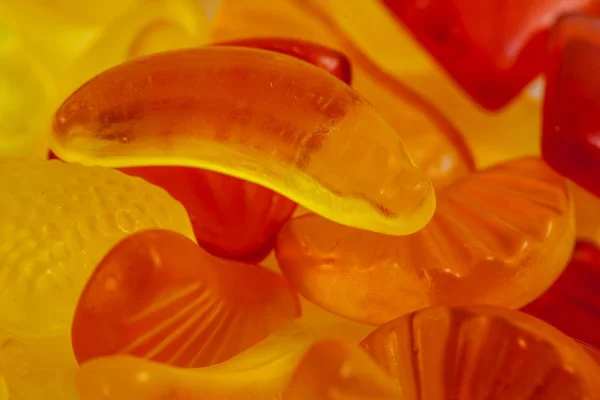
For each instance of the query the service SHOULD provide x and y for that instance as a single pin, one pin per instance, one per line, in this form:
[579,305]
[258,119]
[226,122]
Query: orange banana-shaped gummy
[257,115]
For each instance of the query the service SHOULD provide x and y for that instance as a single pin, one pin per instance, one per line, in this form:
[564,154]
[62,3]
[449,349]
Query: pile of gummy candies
[299,200]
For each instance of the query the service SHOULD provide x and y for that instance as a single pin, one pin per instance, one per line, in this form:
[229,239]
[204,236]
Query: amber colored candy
[572,303]
[435,145]
[500,236]
[587,214]
[482,352]
[336,370]
[159,296]
[234,218]
[330,60]
[256,115]
[594,352]
[492,48]
[570,133]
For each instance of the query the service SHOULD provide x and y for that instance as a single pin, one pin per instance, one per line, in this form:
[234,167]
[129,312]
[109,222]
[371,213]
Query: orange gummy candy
[159,296]
[256,115]
[435,145]
[500,236]
[482,352]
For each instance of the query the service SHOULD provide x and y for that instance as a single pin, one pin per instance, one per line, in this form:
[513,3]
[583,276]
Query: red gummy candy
[570,140]
[159,296]
[572,304]
[493,48]
[323,57]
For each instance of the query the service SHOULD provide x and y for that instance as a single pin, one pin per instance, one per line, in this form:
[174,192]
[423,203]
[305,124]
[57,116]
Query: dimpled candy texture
[572,303]
[159,296]
[499,236]
[57,222]
[570,140]
[492,48]
[257,115]
[482,352]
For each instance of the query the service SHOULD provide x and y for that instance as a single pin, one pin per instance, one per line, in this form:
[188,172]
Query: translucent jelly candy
[261,372]
[572,304]
[570,133]
[58,221]
[436,147]
[334,370]
[232,218]
[256,115]
[587,214]
[492,48]
[159,296]
[482,352]
[330,60]
[499,236]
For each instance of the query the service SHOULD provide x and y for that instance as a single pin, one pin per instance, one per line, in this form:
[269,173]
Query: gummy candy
[335,370]
[491,48]
[232,218]
[570,132]
[436,147]
[261,372]
[330,60]
[587,214]
[58,221]
[572,303]
[499,236]
[481,352]
[297,130]
[159,296]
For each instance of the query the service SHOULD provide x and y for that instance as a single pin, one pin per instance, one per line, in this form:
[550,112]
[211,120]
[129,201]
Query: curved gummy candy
[435,146]
[587,214]
[323,57]
[256,115]
[482,352]
[572,303]
[336,370]
[58,221]
[234,218]
[499,236]
[261,372]
[159,296]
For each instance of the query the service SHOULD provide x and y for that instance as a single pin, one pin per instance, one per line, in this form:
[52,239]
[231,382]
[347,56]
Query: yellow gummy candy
[56,223]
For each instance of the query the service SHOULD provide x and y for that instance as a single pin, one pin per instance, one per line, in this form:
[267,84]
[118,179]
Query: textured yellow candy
[56,222]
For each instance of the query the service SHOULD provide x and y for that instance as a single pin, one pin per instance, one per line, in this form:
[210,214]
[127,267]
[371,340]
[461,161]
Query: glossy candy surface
[335,370]
[500,236]
[323,57]
[492,48]
[482,352]
[58,221]
[570,140]
[234,218]
[298,131]
[262,372]
[434,144]
[159,296]
[572,303]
